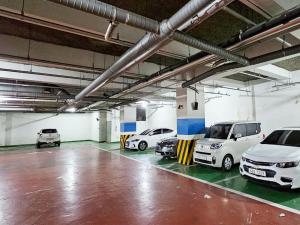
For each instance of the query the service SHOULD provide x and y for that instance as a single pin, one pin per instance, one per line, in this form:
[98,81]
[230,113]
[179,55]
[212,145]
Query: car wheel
[227,163]
[38,145]
[58,143]
[143,145]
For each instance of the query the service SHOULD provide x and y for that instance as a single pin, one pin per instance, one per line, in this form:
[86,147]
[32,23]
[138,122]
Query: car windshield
[49,131]
[146,132]
[218,131]
[283,137]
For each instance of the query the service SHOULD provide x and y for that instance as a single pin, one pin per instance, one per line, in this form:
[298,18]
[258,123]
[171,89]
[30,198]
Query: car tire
[227,162]
[38,145]
[58,144]
[143,146]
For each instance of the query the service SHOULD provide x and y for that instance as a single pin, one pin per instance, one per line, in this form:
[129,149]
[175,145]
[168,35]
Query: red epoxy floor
[83,185]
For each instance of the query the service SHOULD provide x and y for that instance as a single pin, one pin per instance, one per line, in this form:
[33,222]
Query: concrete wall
[21,128]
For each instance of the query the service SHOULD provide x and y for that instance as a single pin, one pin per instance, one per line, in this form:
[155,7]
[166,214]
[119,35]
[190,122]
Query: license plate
[205,157]
[49,139]
[257,172]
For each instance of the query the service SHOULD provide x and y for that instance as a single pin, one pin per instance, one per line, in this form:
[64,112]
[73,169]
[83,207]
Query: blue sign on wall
[128,127]
[190,126]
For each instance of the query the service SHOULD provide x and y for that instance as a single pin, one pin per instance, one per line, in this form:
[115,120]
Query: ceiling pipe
[113,13]
[167,27]
[110,29]
[117,15]
[289,21]
[234,67]
[250,22]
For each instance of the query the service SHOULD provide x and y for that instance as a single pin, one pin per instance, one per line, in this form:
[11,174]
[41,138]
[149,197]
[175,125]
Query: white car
[276,160]
[224,143]
[47,136]
[149,138]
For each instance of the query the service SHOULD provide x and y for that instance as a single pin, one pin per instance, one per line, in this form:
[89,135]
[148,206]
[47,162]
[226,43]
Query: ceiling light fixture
[71,109]
[16,109]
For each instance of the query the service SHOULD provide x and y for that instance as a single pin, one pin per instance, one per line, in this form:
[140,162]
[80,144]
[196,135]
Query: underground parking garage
[149,112]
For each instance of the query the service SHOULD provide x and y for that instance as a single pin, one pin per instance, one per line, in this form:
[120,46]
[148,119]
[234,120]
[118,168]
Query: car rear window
[49,131]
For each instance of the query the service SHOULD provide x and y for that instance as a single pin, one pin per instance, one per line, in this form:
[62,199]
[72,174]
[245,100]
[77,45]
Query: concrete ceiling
[31,35]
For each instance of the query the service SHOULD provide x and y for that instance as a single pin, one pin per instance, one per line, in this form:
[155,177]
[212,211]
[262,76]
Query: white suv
[276,160]
[48,136]
[225,143]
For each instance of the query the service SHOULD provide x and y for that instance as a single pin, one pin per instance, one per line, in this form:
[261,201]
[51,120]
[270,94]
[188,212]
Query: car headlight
[288,164]
[135,140]
[216,146]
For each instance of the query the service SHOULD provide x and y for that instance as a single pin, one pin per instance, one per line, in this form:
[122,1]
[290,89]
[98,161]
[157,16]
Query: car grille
[203,161]
[259,163]
[269,173]
[204,153]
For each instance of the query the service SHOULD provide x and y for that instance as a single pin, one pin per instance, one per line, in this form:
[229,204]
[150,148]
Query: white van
[225,143]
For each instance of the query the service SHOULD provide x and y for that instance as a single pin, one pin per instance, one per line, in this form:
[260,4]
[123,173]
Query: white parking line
[211,184]
[227,179]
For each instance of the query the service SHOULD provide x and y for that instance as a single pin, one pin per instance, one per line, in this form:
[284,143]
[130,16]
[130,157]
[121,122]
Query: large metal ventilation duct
[112,13]
[118,15]
[167,27]
[149,41]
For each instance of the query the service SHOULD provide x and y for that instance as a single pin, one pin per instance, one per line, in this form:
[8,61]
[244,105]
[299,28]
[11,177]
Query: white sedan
[149,138]
[276,160]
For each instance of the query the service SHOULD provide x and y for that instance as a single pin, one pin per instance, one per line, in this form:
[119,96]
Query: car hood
[273,153]
[169,141]
[209,141]
[136,137]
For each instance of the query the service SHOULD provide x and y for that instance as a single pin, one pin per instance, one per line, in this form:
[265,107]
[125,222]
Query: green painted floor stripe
[231,180]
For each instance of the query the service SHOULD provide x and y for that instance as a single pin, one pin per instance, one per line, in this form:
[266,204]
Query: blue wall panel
[128,127]
[190,126]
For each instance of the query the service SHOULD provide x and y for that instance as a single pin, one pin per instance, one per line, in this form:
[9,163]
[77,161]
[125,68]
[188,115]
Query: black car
[167,147]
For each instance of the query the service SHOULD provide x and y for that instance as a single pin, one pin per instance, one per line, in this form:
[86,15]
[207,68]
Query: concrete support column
[190,122]
[132,121]
[128,126]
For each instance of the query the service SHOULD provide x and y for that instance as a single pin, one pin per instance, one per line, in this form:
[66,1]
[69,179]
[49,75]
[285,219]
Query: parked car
[167,147]
[148,138]
[48,136]
[276,160]
[224,143]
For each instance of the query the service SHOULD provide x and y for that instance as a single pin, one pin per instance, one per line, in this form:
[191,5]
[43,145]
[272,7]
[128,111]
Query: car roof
[289,128]
[237,122]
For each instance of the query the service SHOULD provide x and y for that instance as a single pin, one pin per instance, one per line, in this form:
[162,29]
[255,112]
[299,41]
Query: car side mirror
[237,136]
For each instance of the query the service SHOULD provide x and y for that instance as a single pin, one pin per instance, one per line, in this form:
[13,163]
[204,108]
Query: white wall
[281,108]
[21,128]
[164,116]
[236,106]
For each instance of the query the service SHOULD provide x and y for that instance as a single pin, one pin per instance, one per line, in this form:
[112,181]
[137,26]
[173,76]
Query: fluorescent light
[16,109]
[143,103]
[71,109]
